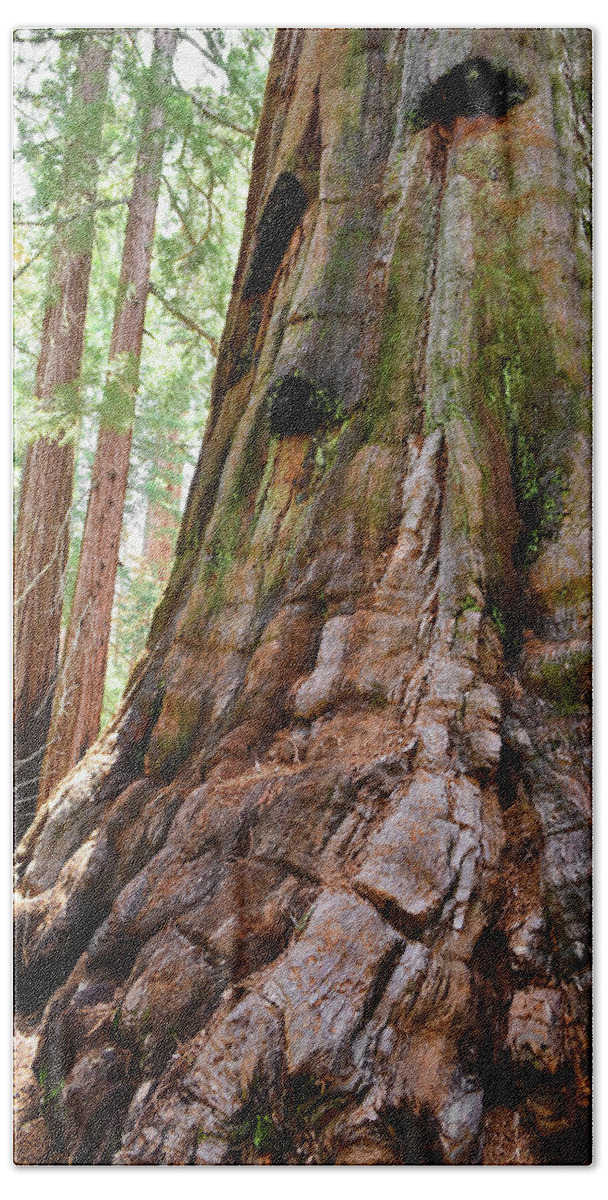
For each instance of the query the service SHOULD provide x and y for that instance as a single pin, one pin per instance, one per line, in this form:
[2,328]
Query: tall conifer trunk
[321,893]
[161,525]
[79,692]
[44,509]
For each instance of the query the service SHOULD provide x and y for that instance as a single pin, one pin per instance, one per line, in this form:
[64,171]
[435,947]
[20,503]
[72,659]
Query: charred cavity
[282,215]
[299,406]
[474,88]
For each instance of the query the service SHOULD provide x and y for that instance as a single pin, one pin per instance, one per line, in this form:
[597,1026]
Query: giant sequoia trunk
[42,539]
[79,691]
[321,894]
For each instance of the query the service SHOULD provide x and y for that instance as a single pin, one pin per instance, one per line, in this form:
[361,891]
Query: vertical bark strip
[44,510]
[321,893]
[79,692]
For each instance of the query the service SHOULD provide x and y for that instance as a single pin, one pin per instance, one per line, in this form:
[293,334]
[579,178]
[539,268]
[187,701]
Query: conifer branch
[210,115]
[186,320]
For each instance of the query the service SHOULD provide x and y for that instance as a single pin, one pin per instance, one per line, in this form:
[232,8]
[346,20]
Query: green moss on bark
[566,682]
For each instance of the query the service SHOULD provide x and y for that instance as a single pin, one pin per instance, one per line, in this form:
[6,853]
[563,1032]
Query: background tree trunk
[42,538]
[79,691]
[325,881]
[161,524]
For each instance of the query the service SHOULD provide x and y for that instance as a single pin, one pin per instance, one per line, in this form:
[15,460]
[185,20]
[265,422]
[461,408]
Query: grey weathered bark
[79,691]
[42,539]
[321,893]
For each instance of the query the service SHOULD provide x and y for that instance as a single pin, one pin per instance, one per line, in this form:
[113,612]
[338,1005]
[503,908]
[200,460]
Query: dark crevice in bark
[380,985]
[494,987]
[140,747]
[35,983]
[572,1150]
[508,776]
[117,956]
[415,1137]
[289,867]
[411,927]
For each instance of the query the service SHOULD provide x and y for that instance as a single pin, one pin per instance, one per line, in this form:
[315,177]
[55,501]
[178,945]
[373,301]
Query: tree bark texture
[321,894]
[42,538]
[79,692]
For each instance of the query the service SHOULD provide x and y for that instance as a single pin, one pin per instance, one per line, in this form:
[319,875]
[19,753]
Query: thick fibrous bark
[321,894]
[80,686]
[42,539]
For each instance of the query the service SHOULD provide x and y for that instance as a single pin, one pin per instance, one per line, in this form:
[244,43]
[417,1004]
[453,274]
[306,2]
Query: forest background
[168,139]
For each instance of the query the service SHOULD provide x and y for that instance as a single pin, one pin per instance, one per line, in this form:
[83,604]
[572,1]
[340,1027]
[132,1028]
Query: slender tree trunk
[324,884]
[161,523]
[79,692]
[44,511]
[151,571]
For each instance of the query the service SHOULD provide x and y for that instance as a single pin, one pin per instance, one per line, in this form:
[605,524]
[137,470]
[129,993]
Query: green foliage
[50,1092]
[470,604]
[56,137]
[197,237]
[254,1129]
[263,1130]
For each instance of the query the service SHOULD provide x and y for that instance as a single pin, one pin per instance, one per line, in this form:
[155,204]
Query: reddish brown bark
[79,693]
[161,522]
[43,526]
